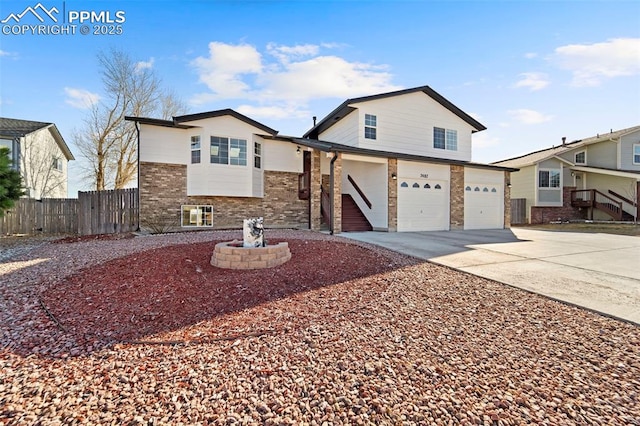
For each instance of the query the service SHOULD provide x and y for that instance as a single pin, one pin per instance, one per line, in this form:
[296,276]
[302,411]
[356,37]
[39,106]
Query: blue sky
[532,72]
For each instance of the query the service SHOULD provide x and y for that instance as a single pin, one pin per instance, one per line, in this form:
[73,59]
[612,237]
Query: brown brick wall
[456,191]
[337,195]
[163,189]
[392,194]
[566,212]
[507,200]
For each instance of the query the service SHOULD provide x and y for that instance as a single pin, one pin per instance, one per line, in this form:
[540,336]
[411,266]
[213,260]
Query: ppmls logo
[40,20]
[33,11]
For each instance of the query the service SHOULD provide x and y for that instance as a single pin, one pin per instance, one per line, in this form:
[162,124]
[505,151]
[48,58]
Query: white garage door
[483,206]
[423,205]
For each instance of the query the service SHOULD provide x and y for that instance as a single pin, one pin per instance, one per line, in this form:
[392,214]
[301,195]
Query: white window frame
[196,139]
[199,216]
[233,151]
[257,155]
[57,164]
[550,171]
[575,157]
[450,139]
[635,151]
[370,126]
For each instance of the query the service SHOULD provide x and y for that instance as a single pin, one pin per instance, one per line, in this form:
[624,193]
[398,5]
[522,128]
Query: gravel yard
[145,331]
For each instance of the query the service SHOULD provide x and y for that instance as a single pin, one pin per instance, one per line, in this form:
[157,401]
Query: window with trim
[581,157]
[636,153]
[194,215]
[445,139]
[228,151]
[257,155]
[549,179]
[195,149]
[370,126]
[57,164]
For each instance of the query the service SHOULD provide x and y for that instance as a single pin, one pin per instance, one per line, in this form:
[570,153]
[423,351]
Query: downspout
[331,189]
[138,171]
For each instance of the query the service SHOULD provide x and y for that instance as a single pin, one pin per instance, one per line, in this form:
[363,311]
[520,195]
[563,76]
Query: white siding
[344,131]
[282,156]
[626,151]
[523,185]
[166,145]
[37,151]
[371,177]
[405,125]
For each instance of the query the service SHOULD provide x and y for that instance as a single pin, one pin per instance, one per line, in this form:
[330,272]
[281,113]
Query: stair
[353,220]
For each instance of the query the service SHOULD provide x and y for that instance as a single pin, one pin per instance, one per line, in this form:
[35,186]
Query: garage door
[483,206]
[423,205]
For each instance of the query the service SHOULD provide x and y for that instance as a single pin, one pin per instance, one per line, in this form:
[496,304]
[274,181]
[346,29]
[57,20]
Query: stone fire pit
[232,255]
[252,252]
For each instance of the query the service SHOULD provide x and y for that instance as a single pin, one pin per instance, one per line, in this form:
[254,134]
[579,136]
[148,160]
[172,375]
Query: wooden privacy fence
[518,211]
[94,212]
[46,216]
[108,212]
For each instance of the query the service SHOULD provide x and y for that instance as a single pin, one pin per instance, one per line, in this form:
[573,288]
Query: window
[257,155]
[445,139]
[581,157]
[370,126]
[193,215]
[549,179]
[57,164]
[636,153]
[195,149]
[237,152]
[228,151]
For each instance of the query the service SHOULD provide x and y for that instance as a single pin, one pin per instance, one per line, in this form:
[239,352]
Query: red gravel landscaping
[150,333]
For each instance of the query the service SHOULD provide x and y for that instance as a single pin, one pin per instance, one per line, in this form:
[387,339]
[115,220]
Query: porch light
[298,151]
[394,176]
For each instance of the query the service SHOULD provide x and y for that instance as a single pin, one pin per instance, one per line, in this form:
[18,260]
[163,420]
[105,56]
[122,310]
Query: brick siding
[456,191]
[163,189]
[541,215]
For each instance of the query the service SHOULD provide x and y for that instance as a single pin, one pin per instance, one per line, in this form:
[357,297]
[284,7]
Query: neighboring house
[595,178]
[40,154]
[398,161]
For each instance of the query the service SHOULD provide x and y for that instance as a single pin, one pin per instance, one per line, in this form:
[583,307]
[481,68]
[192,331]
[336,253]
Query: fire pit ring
[232,255]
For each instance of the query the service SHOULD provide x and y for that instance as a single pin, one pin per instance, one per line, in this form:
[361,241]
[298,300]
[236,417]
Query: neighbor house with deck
[398,161]
[597,178]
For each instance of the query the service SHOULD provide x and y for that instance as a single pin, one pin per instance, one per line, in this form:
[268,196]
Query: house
[596,178]
[398,161]
[40,153]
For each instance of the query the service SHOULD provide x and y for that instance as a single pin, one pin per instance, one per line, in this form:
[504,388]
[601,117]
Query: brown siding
[163,189]
[507,200]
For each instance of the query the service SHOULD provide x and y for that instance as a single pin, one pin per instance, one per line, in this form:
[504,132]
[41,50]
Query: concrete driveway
[596,271]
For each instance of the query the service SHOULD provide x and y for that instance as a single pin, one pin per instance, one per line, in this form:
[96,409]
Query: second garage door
[423,204]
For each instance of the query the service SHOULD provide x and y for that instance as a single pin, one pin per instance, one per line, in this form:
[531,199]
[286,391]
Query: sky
[532,72]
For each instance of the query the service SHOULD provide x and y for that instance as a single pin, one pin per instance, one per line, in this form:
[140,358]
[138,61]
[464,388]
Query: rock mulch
[344,333]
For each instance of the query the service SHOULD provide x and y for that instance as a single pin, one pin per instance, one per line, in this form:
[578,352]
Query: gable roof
[178,121]
[16,128]
[348,149]
[544,154]
[344,109]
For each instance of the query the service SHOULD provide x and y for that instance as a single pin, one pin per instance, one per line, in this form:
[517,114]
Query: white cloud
[145,65]
[293,76]
[80,98]
[529,116]
[530,55]
[533,80]
[592,63]
[4,53]
[274,111]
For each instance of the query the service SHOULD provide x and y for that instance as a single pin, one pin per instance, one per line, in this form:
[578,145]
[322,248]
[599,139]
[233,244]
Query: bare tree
[106,140]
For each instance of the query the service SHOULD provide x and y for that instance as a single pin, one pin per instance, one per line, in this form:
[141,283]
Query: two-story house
[398,161]
[596,178]
[40,154]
